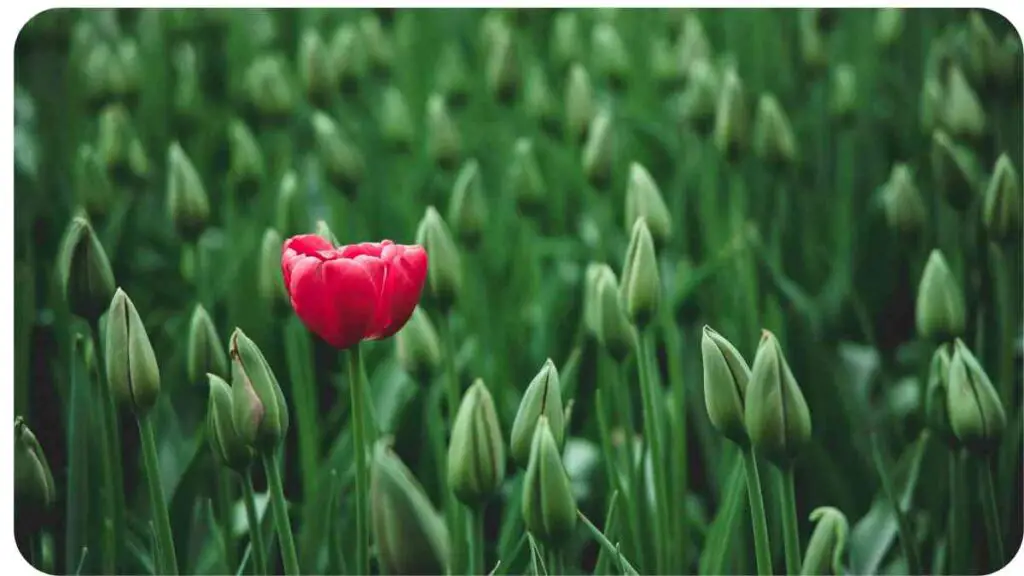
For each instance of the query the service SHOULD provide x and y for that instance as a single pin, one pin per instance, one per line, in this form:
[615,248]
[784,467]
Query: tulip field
[518,291]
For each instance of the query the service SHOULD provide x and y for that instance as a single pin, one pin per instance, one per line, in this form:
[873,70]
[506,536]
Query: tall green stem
[954,520]
[762,548]
[161,519]
[651,432]
[113,491]
[222,477]
[991,512]
[909,550]
[477,542]
[280,509]
[355,383]
[456,525]
[791,534]
[259,553]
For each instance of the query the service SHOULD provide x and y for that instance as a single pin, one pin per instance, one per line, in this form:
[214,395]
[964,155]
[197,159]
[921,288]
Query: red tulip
[352,293]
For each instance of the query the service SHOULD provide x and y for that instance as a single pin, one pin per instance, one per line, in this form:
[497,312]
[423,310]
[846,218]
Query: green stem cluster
[259,553]
[280,509]
[652,433]
[168,560]
[762,549]
[355,378]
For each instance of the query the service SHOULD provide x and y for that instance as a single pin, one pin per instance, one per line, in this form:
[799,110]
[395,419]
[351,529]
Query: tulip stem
[477,542]
[909,550]
[280,510]
[161,519]
[457,526]
[259,553]
[762,548]
[791,534]
[651,432]
[113,492]
[355,383]
[955,518]
[990,510]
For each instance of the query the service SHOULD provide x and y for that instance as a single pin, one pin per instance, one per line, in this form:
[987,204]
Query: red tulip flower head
[352,293]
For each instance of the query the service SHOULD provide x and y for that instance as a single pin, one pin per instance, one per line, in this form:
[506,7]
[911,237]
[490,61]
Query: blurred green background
[800,245]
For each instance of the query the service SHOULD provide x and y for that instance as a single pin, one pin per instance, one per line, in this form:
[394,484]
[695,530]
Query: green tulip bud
[731,116]
[138,162]
[543,397]
[643,199]
[692,45]
[1007,63]
[640,290]
[614,331]
[379,49]
[132,371]
[776,416]
[246,164]
[347,56]
[843,91]
[452,75]
[566,39]
[813,47]
[444,142]
[828,542]
[288,213]
[726,376]
[667,67]
[227,445]
[502,71]
[1002,209]
[539,102]
[98,69]
[976,413]
[525,178]
[476,453]
[611,61]
[125,77]
[269,88]
[93,188]
[579,102]
[599,150]
[444,266]
[982,47]
[698,102]
[205,351]
[955,171]
[936,405]
[591,306]
[410,534]
[187,203]
[962,113]
[259,412]
[396,123]
[888,26]
[418,347]
[114,137]
[773,137]
[33,481]
[930,106]
[324,231]
[493,26]
[270,282]
[86,278]
[940,309]
[341,158]
[549,507]
[904,208]
[467,209]
[188,94]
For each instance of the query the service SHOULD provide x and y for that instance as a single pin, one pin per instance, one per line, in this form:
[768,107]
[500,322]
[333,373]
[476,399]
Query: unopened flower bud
[418,347]
[228,446]
[579,102]
[962,113]
[731,116]
[348,57]
[843,91]
[611,61]
[776,416]
[114,137]
[259,412]
[976,413]
[902,203]
[930,106]
[315,71]
[187,203]
[270,282]
[452,75]
[982,47]
[132,371]
[324,231]
[502,72]
[667,67]
[410,534]
[86,278]
[940,309]
[396,123]
[246,164]
[692,45]
[774,140]
[539,102]
[955,171]
[188,95]
[698,102]
[566,39]
[599,150]
[444,266]
[1002,208]
[269,88]
[549,507]
[640,290]
[98,68]
[341,158]
[125,77]
[888,26]
[443,139]
[614,331]
[33,481]
[543,397]
[1007,64]
[937,393]
[525,178]
[379,49]
[205,349]
[827,545]
[93,188]
[289,220]
[813,46]
[643,199]
[726,376]
[476,453]
[467,209]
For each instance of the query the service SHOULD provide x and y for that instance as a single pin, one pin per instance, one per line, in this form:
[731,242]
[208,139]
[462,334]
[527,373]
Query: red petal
[362,249]
[407,271]
[306,244]
[333,298]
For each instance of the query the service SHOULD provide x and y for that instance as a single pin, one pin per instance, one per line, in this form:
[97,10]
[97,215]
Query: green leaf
[719,545]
